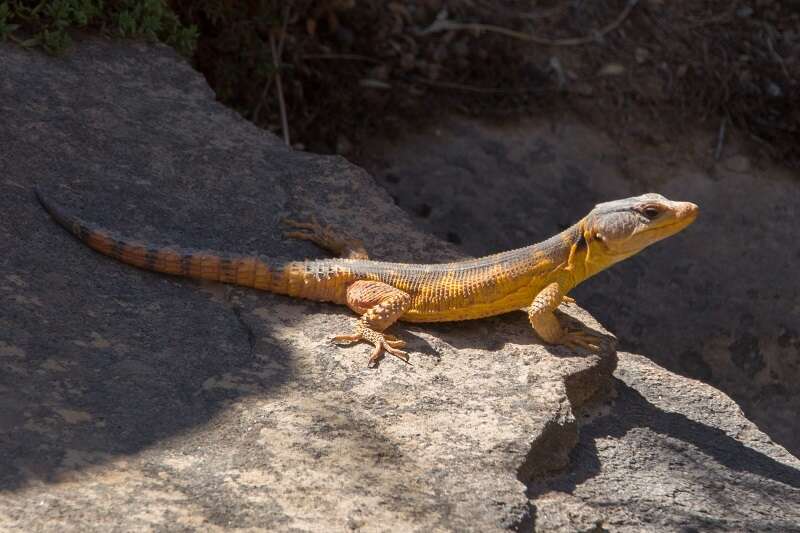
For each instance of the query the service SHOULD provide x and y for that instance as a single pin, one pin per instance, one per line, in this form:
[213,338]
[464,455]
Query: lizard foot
[326,237]
[308,230]
[381,341]
[579,339]
[568,300]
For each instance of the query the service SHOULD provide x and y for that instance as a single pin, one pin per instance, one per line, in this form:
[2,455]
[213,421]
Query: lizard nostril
[689,209]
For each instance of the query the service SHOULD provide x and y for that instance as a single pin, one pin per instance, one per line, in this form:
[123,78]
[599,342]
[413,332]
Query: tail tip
[37,190]
[45,203]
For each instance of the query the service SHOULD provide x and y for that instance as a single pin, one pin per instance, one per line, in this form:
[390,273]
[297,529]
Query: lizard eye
[650,212]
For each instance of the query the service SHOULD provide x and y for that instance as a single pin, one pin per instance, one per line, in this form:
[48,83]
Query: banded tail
[248,271]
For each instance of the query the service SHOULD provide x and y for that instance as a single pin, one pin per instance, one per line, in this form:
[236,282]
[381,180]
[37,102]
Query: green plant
[48,23]
[5,26]
[152,19]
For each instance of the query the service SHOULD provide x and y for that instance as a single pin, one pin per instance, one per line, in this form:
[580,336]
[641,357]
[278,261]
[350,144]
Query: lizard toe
[380,348]
[396,343]
[375,356]
[393,341]
[400,354]
[312,225]
[300,235]
[382,343]
[346,339]
[311,231]
[580,339]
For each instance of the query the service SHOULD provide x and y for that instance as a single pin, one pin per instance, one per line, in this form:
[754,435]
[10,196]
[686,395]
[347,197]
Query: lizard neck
[588,256]
[561,258]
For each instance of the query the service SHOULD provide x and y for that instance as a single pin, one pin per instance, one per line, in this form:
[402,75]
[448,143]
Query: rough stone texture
[670,454]
[132,400]
[717,303]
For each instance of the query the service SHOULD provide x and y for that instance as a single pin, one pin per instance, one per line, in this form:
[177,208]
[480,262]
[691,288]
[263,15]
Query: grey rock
[717,302]
[135,401]
[669,454]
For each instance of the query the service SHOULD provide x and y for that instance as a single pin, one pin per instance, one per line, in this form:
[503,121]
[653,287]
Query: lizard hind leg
[326,237]
[380,305]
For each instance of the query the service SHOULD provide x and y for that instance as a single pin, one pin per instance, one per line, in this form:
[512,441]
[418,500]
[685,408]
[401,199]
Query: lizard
[536,277]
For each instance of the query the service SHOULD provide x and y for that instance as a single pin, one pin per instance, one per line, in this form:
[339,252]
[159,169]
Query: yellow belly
[503,297]
[511,302]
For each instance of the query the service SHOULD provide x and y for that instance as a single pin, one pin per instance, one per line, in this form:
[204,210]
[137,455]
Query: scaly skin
[537,277]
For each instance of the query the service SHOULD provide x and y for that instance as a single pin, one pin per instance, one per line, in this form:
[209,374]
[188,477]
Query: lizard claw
[312,225]
[309,231]
[375,356]
[381,341]
[579,339]
[326,237]
[346,339]
[393,341]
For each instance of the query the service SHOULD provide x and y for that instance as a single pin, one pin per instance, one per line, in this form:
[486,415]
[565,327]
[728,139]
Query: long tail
[248,271]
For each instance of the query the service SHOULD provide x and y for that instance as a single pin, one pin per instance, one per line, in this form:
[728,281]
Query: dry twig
[449,25]
[724,16]
[484,90]
[720,138]
[268,85]
[347,57]
[279,86]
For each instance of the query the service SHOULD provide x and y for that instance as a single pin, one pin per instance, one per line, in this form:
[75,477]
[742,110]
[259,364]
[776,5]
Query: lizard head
[619,229]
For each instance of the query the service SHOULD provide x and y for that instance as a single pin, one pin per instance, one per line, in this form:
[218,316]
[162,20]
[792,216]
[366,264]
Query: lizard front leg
[327,238]
[546,325]
[380,305]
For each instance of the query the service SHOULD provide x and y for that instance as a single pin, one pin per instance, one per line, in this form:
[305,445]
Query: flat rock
[132,400]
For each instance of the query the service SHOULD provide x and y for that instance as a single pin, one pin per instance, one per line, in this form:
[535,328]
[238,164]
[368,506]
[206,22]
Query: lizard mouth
[677,226]
[684,215]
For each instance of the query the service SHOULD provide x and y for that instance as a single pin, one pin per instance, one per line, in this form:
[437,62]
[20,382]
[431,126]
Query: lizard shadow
[495,333]
[488,334]
[691,448]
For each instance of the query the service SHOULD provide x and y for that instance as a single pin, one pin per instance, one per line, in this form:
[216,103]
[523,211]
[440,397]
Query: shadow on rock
[115,364]
[665,467]
[495,333]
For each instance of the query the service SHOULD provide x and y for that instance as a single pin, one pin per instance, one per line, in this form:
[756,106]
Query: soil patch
[331,74]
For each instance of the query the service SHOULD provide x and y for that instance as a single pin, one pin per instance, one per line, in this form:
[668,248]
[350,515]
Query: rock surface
[136,401]
[132,400]
[669,454]
[717,303]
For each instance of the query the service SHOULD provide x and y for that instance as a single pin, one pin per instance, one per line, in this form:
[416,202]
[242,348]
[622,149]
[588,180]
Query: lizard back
[468,289]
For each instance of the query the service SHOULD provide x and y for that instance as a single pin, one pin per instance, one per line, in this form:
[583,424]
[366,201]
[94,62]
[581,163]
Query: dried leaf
[612,69]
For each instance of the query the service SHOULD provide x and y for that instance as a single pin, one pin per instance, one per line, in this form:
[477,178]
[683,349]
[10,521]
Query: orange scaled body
[536,277]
